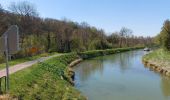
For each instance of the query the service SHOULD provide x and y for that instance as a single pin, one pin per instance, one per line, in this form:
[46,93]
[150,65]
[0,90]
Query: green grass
[158,55]
[22,60]
[43,81]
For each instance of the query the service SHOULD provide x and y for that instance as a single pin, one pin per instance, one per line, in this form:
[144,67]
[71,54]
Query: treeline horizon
[53,35]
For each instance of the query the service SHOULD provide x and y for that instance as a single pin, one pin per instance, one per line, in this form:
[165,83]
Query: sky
[144,17]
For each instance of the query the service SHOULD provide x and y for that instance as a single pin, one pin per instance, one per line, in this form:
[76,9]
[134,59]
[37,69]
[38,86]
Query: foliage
[164,37]
[52,35]
[77,45]
[98,44]
[95,53]
[2,60]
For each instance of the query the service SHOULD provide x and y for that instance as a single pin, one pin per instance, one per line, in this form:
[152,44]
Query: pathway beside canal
[24,65]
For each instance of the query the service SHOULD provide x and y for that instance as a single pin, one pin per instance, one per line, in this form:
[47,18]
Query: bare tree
[23,8]
[26,14]
[124,33]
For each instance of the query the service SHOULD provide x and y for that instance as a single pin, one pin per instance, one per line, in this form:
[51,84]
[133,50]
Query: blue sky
[144,17]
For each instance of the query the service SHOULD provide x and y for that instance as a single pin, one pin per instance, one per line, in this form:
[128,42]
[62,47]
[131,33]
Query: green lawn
[21,60]
[158,55]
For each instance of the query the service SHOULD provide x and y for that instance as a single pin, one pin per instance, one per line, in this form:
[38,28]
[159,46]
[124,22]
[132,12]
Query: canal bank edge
[162,67]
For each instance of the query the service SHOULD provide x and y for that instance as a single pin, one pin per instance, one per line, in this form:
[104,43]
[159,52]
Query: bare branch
[23,8]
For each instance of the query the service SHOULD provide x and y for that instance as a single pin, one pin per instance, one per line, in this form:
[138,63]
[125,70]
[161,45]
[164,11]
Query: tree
[124,33]
[165,35]
[49,27]
[158,39]
[61,35]
[113,39]
[23,8]
[25,13]
[4,20]
[76,44]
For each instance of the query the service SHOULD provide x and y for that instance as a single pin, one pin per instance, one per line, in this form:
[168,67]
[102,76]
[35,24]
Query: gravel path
[24,65]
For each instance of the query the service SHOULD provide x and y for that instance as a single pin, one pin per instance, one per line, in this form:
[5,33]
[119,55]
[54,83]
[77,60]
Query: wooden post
[0,85]
[5,83]
[7,65]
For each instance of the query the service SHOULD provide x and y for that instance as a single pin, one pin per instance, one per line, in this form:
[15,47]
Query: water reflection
[125,60]
[122,77]
[89,67]
[165,85]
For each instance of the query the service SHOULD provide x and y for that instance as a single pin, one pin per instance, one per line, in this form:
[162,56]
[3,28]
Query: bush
[99,45]
[95,53]
[2,60]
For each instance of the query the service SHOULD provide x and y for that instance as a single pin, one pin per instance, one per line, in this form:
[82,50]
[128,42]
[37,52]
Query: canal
[120,76]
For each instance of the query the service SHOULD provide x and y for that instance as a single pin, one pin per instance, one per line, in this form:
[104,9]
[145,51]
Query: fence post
[0,86]
[5,84]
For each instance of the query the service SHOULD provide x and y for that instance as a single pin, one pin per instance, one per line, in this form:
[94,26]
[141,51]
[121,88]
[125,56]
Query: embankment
[158,61]
[45,81]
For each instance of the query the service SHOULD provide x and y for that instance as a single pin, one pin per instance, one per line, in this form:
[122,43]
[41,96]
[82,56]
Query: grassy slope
[43,81]
[21,60]
[159,56]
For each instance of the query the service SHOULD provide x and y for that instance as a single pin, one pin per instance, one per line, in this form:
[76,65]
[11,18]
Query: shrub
[95,53]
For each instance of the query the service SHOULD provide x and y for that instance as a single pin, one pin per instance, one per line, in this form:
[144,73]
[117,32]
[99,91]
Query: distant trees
[124,34]
[4,20]
[25,15]
[49,35]
[125,38]
[23,8]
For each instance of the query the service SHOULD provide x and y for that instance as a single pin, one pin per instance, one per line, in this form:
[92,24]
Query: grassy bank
[159,61]
[158,56]
[45,81]
[50,80]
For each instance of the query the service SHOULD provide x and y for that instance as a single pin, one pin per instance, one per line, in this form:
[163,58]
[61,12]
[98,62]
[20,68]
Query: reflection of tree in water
[86,68]
[122,60]
[125,60]
[165,85]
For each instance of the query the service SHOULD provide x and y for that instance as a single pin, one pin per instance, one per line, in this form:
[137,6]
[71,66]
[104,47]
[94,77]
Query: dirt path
[24,65]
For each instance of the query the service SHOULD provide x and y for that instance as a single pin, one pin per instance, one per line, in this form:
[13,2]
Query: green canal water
[120,77]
